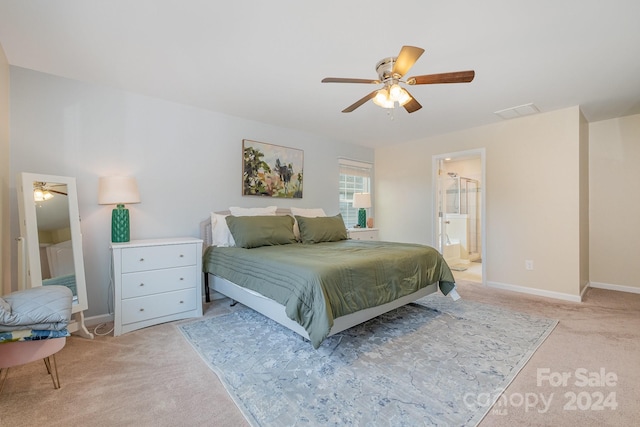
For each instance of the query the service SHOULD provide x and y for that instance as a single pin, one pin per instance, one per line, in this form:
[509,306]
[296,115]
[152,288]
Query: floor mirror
[50,242]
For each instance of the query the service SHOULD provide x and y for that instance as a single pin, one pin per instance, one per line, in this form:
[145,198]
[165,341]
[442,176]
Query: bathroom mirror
[50,238]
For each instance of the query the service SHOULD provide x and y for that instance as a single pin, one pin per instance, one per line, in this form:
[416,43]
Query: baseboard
[97,320]
[584,290]
[621,288]
[533,291]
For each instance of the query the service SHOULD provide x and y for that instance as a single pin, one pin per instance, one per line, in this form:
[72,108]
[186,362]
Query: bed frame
[276,311]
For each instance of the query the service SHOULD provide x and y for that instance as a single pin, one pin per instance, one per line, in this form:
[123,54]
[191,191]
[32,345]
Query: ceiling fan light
[38,195]
[389,104]
[404,97]
[395,91]
[382,99]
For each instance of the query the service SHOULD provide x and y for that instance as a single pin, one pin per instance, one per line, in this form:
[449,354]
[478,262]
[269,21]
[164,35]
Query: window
[355,177]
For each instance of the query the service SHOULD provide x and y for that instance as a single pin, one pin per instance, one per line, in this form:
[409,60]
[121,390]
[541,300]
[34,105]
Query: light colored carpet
[429,363]
[602,333]
[149,377]
[154,377]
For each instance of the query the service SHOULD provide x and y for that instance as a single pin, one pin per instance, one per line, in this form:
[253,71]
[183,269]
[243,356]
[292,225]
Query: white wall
[5,258]
[614,203]
[532,198]
[187,160]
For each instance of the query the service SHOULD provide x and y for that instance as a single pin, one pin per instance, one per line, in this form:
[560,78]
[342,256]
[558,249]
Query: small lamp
[362,201]
[118,190]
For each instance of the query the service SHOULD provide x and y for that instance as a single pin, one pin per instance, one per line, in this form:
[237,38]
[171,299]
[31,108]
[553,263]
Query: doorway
[459,212]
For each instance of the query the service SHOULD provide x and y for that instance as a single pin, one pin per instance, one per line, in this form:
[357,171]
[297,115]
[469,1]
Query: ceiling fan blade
[407,57]
[453,77]
[58,192]
[341,80]
[358,103]
[412,105]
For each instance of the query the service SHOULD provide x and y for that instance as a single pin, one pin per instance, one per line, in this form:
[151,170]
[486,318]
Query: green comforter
[320,282]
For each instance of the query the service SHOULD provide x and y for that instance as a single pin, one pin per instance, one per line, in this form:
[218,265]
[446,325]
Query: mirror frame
[29,232]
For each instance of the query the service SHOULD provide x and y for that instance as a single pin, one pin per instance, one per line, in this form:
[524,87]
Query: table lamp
[118,190]
[362,201]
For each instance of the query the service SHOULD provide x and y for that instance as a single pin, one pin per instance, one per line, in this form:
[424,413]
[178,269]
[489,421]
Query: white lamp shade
[362,200]
[114,190]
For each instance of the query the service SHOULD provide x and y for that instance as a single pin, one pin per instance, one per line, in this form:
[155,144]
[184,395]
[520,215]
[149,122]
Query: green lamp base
[120,224]
[362,218]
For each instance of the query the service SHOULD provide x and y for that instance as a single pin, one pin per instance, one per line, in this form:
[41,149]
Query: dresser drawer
[363,234]
[156,281]
[152,306]
[155,257]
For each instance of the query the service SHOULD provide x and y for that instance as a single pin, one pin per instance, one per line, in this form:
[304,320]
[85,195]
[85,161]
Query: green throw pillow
[255,231]
[322,229]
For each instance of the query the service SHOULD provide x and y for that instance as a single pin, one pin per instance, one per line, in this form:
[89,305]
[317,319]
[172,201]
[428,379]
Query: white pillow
[220,233]
[268,211]
[307,213]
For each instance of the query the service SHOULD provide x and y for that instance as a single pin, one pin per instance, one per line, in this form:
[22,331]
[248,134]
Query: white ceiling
[263,60]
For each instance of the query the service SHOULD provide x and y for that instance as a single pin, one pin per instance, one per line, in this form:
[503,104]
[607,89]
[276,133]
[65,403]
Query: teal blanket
[320,282]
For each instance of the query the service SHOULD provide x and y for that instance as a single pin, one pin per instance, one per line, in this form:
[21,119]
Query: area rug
[433,362]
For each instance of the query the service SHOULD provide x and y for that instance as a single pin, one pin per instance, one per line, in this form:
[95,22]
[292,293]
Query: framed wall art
[271,170]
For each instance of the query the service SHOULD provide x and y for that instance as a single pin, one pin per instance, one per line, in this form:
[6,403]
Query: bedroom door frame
[438,219]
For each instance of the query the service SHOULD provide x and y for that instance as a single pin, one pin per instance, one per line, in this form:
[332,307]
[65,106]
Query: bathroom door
[469,163]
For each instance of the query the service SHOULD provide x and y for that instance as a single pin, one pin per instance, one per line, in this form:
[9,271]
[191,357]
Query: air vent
[519,111]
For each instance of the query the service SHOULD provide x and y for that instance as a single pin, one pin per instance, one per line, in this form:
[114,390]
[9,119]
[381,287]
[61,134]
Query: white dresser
[363,233]
[156,281]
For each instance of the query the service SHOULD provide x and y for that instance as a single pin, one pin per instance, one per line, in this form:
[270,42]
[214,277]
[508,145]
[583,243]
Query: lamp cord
[109,303]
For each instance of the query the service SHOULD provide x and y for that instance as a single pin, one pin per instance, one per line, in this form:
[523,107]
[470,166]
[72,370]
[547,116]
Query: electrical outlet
[528,264]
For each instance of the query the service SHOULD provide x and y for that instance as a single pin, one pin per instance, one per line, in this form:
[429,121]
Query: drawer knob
[142,309]
[181,302]
[141,259]
[181,256]
[182,278]
[141,284]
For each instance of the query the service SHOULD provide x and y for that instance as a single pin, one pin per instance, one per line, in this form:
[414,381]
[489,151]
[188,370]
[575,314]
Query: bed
[315,281]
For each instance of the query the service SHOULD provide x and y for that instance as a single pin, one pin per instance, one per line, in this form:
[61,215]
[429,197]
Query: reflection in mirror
[54,235]
[51,239]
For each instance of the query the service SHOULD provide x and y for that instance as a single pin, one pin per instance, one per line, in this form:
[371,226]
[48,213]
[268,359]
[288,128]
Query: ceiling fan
[391,71]
[44,191]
